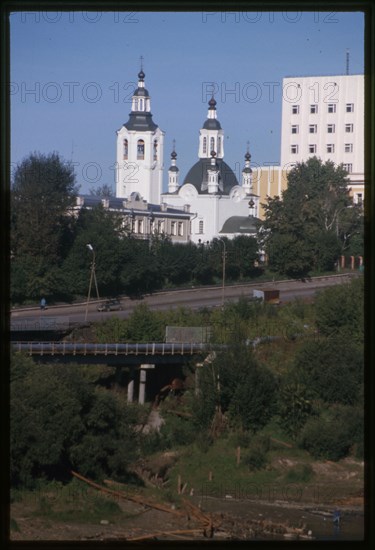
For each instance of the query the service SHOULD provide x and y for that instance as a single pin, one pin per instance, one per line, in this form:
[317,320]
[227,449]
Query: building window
[295,129]
[359,198]
[331,107]
[348,168]
[312,148]
[349,127]
[294,149]
[204,145]
[313,109]
[155,150]
[331,128]
[140,149]
[200,229]
[330,148]
[212,144]
[173,228]
[160,226]
[313,128]
[141,104]
[125,149]
[180,229]
[140,226]
[295,109]
[348,147]
[350,107]
[219,145]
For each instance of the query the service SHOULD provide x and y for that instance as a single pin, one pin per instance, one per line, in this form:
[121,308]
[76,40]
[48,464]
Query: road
[193,298]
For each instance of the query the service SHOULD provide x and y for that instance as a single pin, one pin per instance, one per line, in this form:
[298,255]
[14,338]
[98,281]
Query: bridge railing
[82,348]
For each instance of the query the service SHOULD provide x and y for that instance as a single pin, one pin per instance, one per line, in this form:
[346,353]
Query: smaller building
[142,218]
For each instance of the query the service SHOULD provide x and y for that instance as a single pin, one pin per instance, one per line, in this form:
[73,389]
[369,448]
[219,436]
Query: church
[218,205]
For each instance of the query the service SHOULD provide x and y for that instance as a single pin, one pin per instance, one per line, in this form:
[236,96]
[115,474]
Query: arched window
[219,145]
[126,149]
[204,145]
[155,149]
[140,149]
[141,104]
[212,144]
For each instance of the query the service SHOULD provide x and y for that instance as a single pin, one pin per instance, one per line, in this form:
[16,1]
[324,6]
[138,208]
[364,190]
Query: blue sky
[72,75]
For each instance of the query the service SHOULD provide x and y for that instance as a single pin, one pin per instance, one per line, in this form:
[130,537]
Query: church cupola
[173,172]
[213,175]
[247,174]
[211,136]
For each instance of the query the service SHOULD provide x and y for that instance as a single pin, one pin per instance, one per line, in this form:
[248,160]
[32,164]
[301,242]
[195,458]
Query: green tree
[242,388]
[104,191]
[313,223]
[42,193]
[331,369]
[340,310]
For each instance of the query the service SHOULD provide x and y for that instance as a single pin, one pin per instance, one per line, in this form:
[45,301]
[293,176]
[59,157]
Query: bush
[255,459]
[333,434]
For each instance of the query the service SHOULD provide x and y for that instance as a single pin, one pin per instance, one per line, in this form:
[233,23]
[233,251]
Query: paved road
[193,298]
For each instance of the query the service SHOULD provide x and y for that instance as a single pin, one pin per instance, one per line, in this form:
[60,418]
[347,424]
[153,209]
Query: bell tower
[140,148]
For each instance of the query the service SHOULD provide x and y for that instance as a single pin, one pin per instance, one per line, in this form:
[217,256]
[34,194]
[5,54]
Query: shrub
[255,459]
[333,434]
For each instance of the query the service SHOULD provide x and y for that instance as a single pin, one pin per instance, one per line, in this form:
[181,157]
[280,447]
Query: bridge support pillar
[131,387]
[142,382]
[142,387]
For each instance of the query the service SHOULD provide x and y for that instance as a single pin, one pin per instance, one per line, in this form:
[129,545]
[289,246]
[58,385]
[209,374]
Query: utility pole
[92,278]
[223,278]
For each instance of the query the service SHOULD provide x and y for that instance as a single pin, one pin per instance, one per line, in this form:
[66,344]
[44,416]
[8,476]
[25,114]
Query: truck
[268,296]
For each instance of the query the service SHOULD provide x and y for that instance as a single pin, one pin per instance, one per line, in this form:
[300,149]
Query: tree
[331,369]
[340,310]
[104,191]
[313,223]
[43,190]
[42,194]
[244,389]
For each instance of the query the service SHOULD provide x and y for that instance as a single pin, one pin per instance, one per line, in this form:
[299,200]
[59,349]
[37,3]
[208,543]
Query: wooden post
[179,484]
[210,476]
[238,455]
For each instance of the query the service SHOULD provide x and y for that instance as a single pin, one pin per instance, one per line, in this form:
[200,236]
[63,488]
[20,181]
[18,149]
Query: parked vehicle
[110,305]
[269,296]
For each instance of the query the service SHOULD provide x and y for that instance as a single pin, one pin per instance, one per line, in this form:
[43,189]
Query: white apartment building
[324,116]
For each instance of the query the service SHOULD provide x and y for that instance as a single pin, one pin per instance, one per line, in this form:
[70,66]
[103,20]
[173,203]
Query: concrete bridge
[139,357]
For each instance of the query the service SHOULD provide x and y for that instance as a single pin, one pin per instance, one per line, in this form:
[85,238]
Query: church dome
[212,124]
[240,224]
[141,92]
[198,176]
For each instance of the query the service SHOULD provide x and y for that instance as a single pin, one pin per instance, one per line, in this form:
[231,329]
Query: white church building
[218,204]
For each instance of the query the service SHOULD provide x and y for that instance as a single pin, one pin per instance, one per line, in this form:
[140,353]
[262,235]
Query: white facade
[210,189]
[140,151]
[324,116]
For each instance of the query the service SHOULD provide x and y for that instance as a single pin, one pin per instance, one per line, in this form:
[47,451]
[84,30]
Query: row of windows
[143,228]
[140,149]
[212,145]
[331,108]
[330,148]
[331,128]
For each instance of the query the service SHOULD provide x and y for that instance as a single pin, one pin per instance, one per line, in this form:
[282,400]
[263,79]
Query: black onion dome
[247,156]
[141,75]
[212,103]
[141,92]
[198,176]
[212,124]
[141,121]
[173,155]
[173,169]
